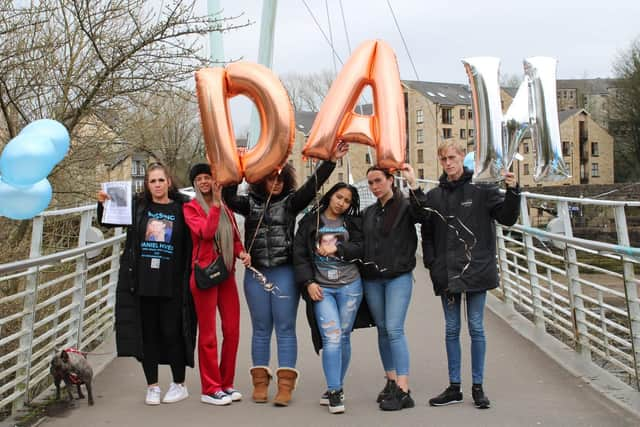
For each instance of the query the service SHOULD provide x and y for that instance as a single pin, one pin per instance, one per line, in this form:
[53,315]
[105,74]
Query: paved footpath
[525,386]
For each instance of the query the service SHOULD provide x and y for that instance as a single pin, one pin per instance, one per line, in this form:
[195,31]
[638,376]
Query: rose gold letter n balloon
[373,64]
[215,86]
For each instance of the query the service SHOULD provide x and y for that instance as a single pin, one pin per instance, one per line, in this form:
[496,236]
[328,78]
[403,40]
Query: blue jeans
[388,301]
[335,316]
[475,320]
[273,309]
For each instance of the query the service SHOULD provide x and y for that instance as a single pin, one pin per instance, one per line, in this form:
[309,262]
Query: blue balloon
[55,131]
[27,159]
[24,203]
[470,160]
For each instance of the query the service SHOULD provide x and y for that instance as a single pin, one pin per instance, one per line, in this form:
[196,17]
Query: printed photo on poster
[158,230]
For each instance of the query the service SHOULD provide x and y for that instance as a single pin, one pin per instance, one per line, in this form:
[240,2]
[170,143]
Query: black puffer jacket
[303,250]
[470,210]
[390,238]
[128,318]
[274,239]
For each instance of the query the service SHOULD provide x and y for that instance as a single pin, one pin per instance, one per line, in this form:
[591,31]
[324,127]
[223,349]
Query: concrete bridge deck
[526,387]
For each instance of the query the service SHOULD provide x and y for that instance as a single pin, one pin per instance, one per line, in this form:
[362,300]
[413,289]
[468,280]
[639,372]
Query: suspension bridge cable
[335,67]
[406,48]
[322,31]
[344,24]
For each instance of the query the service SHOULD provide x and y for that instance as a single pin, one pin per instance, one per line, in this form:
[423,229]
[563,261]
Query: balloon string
[266,285]
[264,211]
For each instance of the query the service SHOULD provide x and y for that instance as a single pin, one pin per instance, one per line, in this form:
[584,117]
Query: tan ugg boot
[287,380]
[260,375]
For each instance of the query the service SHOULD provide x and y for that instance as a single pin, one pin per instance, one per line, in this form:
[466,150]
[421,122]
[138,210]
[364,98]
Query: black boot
[398,400]
[389,387]
[451,395]
[479,398]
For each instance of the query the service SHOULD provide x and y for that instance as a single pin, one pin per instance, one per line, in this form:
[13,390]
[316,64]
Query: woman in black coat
[155,320]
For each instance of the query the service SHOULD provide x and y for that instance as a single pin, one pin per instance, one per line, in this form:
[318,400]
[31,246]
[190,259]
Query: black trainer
[450,396]
[324,399]
[398,400]
[336,402]
[479,398]
[386,392]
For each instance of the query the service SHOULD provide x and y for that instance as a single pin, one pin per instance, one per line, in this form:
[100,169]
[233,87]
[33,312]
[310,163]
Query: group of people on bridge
[353,268]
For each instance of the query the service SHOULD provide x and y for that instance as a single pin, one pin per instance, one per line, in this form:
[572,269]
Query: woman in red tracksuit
[207,217]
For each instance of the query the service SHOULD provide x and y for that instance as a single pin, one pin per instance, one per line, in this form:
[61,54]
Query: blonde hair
[452,143]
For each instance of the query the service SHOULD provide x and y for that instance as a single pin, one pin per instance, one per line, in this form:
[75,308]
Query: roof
[442,93]
[566,114]
[305,119]
[588,86]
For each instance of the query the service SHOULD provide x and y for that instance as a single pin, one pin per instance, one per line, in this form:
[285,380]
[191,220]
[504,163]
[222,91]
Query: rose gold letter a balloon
[214,87]
[373,64]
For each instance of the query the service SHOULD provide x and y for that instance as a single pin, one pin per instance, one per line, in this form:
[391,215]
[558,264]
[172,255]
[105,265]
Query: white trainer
[153,395]
[176,393]
[234,394]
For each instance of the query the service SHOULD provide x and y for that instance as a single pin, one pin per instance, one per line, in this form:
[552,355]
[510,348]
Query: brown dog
[71,366]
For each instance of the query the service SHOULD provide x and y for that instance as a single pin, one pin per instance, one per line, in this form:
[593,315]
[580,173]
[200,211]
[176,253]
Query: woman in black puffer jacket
[270,211]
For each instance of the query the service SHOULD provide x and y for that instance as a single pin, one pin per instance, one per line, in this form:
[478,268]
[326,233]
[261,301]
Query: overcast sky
[584,35]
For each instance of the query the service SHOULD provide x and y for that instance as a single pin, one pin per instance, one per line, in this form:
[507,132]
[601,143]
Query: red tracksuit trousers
[217,374]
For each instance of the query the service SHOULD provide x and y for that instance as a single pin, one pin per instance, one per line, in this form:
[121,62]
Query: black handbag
[213,274]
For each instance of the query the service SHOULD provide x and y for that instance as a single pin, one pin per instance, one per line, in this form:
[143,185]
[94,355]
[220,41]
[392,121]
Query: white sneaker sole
[453,402]
[152,402]
[217,402]
[176,399]
[336,409]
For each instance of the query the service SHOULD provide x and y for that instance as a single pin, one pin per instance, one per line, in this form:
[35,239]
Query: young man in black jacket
[459,249]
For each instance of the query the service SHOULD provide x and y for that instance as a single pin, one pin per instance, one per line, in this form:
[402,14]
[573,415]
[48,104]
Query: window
[340,177]
[566,148]
[419,116]
[595,171]
[367,158]
[526,169]
[446,133]
[420,156]
[571,95]
[340,161]
[525,148]
[470,115]
[462,114]
[419,136]
[137,168]
[471,133]
[595,151]
[420,173]
[138,186]
[447,117]
[463,133]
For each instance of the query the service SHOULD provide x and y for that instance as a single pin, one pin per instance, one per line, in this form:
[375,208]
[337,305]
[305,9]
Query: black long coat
[469,211]
[303,249]
[128,319]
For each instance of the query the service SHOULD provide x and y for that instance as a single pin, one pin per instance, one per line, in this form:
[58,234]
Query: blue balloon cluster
[25,163]
[470,160]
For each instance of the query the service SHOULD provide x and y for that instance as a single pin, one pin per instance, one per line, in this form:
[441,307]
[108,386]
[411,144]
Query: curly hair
[288,177]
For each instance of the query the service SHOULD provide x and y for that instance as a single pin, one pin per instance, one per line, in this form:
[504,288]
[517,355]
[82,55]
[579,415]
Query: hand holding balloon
[510,180]
[341,150]
[409,174]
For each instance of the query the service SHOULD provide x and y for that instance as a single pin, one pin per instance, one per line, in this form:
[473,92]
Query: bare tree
[307,91]
[92,63]
[625,113]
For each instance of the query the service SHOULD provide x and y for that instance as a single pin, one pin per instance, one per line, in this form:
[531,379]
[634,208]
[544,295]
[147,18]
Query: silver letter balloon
[533,109]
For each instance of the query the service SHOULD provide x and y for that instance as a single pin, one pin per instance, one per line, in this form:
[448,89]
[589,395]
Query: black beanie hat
[197,169]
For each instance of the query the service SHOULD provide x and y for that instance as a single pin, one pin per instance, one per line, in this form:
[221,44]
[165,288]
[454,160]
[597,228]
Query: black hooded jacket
[455,262]
[275,223]
[390,238]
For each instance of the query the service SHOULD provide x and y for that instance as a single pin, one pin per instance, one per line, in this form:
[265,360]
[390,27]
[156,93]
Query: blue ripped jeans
[335,316]
[475,322]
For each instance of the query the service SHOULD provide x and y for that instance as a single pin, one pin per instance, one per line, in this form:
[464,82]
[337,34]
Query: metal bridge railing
[50,302]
